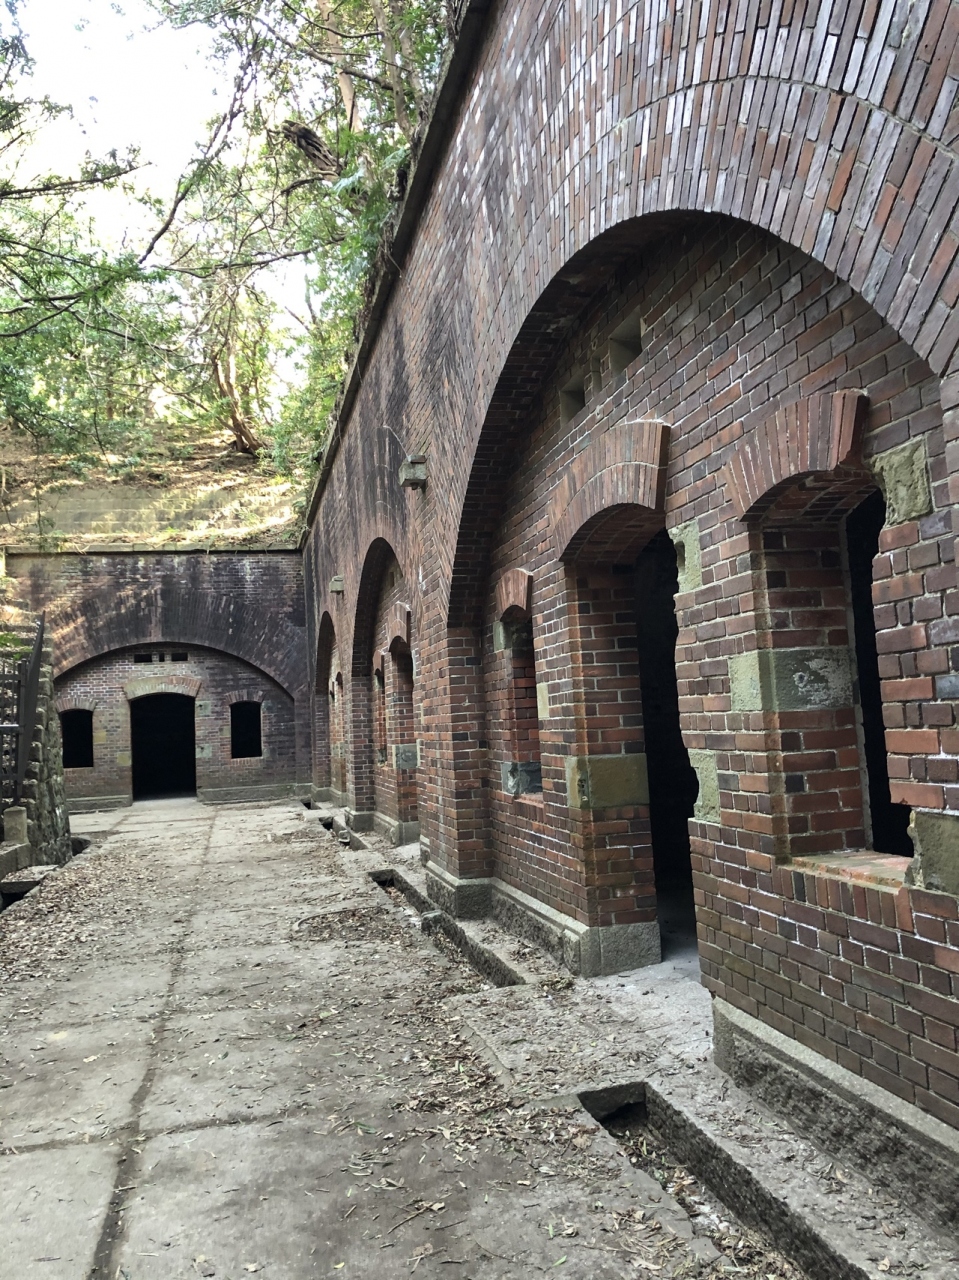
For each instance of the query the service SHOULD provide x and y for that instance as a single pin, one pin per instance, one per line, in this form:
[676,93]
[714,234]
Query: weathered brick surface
[246,606]
[775,188]
[215,681]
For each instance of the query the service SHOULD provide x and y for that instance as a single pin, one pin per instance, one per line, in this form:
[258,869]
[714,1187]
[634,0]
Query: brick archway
[102,623]
[144,686]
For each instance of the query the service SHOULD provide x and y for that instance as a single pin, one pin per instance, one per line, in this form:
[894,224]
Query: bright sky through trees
[187,256]
[132,81]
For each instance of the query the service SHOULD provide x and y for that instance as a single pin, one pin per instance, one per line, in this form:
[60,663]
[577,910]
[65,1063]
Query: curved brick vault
[164,615]
[775,188]
[825,124]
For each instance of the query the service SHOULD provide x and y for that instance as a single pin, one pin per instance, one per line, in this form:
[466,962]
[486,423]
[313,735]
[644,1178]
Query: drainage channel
[749,1220]
[741,1238]
[623,1112]
[437,925]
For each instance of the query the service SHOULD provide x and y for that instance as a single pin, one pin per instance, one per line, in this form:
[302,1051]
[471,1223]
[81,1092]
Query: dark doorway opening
[245,736]
[76,729]
[673,785]
[890,821]
[163,746]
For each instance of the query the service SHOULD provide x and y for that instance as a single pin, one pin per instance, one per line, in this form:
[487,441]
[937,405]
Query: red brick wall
[247,605]
[865,974]
[98,686]
[586,141]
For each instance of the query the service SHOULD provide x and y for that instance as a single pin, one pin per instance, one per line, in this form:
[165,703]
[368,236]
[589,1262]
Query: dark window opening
[76,727]
[525,773]
[572,397]
[673,785]
[163,746]
[143,657]
[890,822]
[179,657]
[245,737]
[625,344]
[379,716]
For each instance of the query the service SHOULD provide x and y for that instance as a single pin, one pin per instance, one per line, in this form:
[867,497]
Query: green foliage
[104,354]
[354,79]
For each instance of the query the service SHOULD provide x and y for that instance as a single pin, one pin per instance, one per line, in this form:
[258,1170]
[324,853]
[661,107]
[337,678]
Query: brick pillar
[606,776]
[360,784]
[320,707]
[461,846]
[402,734]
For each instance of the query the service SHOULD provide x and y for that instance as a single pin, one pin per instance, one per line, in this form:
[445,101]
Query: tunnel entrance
[163,746]
[673,786]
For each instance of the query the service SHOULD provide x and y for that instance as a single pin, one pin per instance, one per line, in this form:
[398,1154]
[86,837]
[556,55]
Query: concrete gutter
[446,101]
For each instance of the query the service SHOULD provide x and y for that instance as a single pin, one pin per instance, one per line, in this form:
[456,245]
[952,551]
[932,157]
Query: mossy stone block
[807,679]
[707,802]
[542,701]
[936,837]
[606,782]
[903,476]
[689,560]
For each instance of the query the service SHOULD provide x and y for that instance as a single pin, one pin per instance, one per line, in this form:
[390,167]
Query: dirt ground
[226,1051]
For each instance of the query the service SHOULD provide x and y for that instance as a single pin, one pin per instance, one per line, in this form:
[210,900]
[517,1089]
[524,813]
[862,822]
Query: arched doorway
[673,786]
[383,713]
[163,746]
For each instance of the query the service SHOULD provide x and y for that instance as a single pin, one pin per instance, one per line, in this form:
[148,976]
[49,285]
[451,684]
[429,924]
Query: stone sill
[534,799]
[883,870]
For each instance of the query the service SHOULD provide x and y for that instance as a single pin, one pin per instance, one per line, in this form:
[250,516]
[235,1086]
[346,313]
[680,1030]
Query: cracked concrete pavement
[225,1051]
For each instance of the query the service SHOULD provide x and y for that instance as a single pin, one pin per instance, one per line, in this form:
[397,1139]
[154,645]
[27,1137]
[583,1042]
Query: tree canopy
[103,351]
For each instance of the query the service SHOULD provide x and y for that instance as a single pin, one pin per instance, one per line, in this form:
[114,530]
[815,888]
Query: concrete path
[226,1052]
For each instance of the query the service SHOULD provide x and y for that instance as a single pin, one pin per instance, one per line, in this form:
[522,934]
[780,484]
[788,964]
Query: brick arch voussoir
[817,436]
[146,686]
[325,646]
[97,626]
[378,556]
[75,703]
[836,220]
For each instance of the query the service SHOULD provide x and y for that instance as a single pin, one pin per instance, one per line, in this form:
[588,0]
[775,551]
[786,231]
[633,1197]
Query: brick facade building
[630,577]
[213,630]
[674,329]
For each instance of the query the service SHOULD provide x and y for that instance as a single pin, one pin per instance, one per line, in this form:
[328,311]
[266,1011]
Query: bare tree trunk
[409,57]
[392,66]
[354,118]
[224,375]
